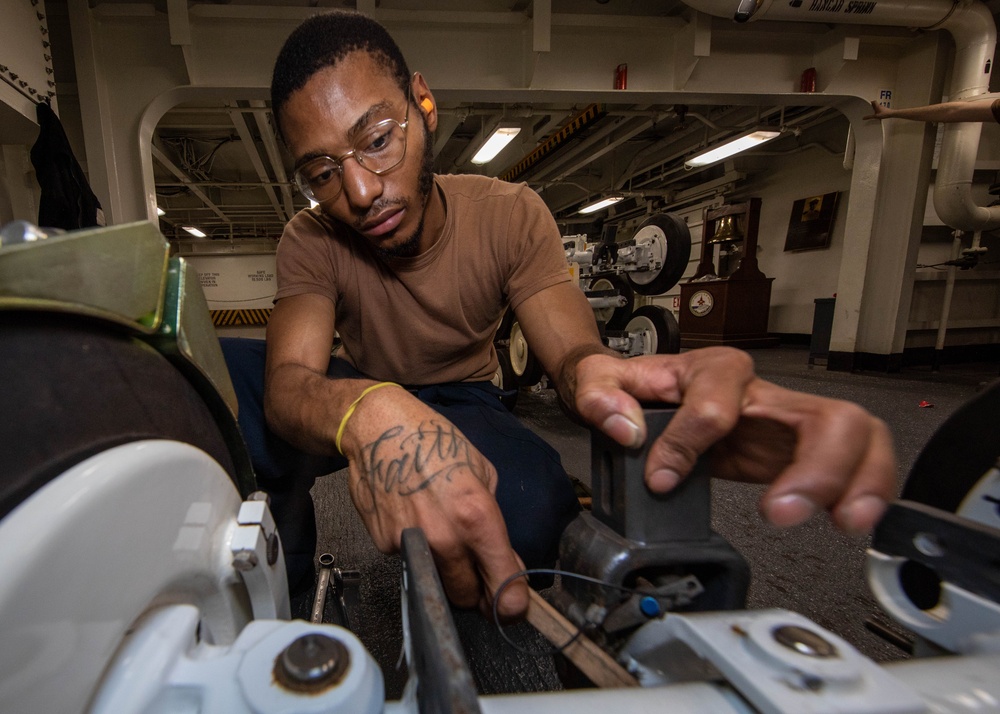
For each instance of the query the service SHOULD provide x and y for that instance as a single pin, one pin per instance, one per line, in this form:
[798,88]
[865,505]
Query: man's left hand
[817,453]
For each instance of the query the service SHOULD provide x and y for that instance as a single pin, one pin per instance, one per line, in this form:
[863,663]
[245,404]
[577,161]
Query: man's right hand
[411,467]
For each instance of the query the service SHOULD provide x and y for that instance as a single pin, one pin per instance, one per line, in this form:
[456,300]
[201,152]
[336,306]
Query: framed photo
[811,223]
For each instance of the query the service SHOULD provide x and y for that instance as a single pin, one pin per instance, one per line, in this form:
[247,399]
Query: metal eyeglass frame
[303,184]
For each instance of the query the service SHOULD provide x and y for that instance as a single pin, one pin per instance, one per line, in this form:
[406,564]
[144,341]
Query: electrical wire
[563,574]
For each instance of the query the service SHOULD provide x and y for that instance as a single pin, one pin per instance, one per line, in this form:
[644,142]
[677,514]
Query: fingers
[601,400]
[712,399]
[513,604]
[464,529]
[609,389]
[818,453]
[477,559]
[843,460]
[880,112]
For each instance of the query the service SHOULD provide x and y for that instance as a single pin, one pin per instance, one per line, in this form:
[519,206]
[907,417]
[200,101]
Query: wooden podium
[721,306]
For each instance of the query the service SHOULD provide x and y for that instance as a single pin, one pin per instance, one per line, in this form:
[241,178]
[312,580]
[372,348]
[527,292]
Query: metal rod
[322,584]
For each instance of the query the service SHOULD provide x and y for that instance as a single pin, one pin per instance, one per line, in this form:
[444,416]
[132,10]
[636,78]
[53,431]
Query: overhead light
[746,140]
[194,231]
[601,203]
[498,139]
[160,211]
[312,203]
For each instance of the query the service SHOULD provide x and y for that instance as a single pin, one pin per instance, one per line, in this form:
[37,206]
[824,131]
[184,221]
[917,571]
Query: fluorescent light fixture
[160,211]
[601,204]
[312,203]
[499,138]
[747,140]
[194,231]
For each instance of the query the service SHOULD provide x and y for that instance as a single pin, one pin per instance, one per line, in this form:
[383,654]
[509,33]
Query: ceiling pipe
[971,26]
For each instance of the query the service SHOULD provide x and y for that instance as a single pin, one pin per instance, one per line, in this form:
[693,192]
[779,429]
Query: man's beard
[425,182]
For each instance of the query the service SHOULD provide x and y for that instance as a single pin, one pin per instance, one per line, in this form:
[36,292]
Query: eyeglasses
[380,149]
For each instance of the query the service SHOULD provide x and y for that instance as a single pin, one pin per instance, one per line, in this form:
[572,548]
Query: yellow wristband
[354,405]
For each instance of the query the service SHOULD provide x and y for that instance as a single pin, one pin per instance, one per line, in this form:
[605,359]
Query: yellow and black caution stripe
[238,318]
[584,119]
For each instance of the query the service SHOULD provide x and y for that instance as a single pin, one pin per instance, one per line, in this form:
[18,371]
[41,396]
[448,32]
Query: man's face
[328,115]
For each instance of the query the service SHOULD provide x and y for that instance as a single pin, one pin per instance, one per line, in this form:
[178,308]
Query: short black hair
[322,41]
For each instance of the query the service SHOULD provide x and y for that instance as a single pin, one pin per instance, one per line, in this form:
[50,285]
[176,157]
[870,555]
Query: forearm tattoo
[403,462]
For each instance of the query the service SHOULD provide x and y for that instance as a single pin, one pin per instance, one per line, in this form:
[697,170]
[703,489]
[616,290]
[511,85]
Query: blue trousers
[533,491]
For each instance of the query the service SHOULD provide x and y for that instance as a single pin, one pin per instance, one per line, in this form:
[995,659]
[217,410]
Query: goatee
[425,182]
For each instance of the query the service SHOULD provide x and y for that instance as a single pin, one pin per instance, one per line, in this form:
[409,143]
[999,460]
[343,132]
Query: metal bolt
[805,642]
[928,544]
[311,663]
[245,560]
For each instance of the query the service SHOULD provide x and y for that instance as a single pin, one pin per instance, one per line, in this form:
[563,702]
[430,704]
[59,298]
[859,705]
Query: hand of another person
[816,453]
[880,112]
[411,467]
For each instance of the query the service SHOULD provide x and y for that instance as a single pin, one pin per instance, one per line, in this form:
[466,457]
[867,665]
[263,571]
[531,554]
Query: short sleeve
[536,259]
[304,263]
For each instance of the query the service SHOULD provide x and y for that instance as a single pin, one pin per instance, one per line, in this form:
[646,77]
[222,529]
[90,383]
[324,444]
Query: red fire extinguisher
[808,81]
[621,76]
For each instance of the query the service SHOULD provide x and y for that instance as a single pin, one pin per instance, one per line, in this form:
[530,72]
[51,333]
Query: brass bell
[726,231]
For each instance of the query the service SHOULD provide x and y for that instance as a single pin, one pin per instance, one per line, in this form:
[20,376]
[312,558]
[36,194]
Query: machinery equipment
[143,573]
[610,273]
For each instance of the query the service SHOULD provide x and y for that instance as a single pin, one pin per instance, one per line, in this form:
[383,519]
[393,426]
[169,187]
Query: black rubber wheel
[506,380]
[958,454]
[75,387]
[526,366]
[953,461]
[664,333]
[670,240]
[614,317]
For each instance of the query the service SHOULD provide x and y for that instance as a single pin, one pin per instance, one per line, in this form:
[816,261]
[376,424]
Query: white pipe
[974,31]
[949,288]
[970,24]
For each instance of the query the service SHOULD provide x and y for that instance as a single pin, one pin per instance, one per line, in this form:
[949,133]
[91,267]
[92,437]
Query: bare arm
[408,465]
[301,404]
[976,110]
[560,328]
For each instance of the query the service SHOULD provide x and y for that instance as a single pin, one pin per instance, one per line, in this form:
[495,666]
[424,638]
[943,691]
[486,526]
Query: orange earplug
[427,105]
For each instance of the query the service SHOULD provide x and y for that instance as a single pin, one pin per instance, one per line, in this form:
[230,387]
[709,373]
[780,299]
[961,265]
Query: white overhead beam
[541,26]
[267,137]
[254,155]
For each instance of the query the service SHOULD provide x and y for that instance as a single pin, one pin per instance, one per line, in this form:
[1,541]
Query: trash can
[819,344]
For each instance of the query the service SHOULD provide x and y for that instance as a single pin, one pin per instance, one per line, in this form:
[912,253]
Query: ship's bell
[726,231]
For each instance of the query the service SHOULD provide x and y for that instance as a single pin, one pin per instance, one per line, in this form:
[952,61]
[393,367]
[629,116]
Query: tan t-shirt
[429,319]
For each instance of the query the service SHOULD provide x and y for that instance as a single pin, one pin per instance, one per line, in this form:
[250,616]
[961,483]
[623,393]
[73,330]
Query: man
[981,110]
[414,271]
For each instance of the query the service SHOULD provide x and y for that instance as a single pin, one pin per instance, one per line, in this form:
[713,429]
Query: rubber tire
[74,387]
[620,315]
[666,332]
[678,252]
[506,380]
[526,366]
[958,454]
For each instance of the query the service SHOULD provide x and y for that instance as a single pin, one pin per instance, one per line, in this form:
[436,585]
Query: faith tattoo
[404,463]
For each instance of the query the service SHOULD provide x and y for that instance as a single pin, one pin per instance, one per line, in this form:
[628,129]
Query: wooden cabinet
[726,301]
